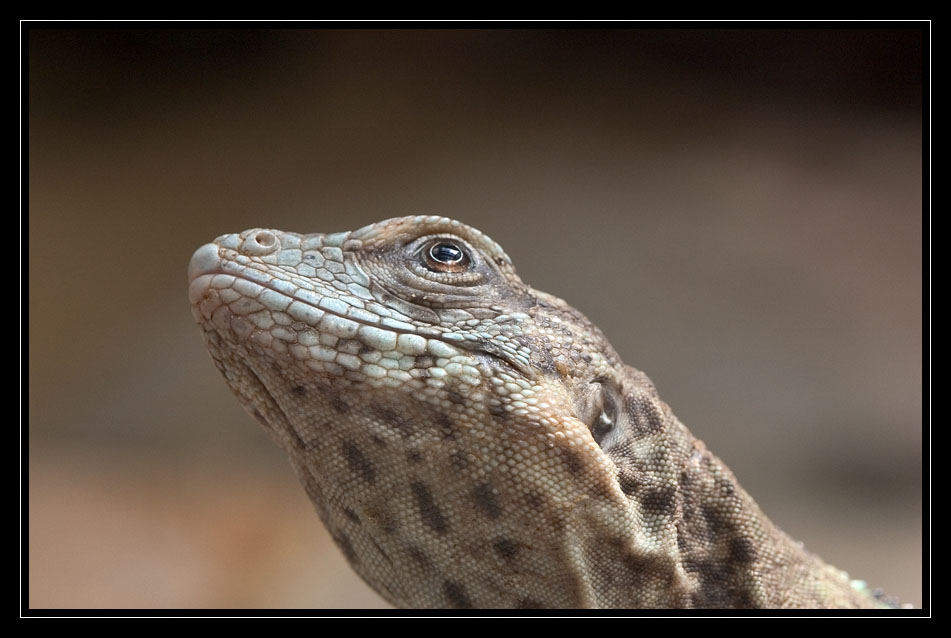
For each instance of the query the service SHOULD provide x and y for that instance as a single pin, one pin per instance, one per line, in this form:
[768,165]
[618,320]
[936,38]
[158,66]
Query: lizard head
[451,424]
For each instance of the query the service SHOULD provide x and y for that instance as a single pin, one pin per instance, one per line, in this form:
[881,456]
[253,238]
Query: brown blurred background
[739,210]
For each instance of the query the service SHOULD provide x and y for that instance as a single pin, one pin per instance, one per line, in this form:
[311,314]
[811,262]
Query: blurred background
[739,210]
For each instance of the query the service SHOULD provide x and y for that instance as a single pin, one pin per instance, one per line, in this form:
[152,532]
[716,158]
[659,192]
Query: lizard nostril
[260,242]
[265,238]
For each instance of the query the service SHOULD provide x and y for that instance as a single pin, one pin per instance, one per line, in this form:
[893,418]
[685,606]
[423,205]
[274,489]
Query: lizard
[470,442]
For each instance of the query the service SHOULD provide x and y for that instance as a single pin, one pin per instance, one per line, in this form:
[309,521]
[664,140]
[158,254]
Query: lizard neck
[728,553]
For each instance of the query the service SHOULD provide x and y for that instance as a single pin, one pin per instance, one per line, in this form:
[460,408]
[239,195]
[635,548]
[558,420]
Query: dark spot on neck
[660,501]
[358,463]
[430,513]
[419,557]
[298,390]
[456,594]
[486,500]
[742,551]
[394,419]
[505,548]
[716,519]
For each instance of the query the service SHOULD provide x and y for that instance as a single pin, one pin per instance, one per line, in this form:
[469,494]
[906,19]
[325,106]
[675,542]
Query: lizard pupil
[446,256]
[446,253]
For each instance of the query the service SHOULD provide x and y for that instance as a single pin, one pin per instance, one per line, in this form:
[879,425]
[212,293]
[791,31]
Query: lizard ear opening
[597,409]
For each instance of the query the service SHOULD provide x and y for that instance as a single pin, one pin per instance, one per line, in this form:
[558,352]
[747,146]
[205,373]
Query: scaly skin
[472,442]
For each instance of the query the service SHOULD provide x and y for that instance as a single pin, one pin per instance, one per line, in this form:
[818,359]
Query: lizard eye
[445,255]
